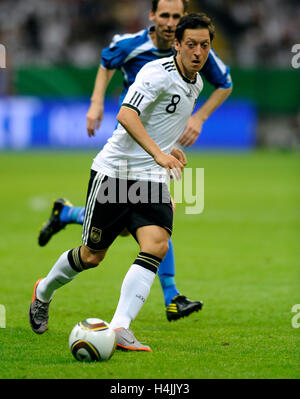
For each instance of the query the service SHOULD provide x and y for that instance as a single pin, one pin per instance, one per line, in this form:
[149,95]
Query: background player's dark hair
[155,4]
[194,21]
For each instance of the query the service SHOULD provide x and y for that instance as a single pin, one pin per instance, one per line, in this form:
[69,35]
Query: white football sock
[134,292]
[60,274]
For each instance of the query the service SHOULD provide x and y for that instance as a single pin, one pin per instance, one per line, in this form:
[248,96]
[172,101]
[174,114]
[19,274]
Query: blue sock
[72,214]
[166,273]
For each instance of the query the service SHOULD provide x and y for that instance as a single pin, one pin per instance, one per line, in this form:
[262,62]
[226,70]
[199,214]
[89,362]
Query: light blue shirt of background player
[129,53]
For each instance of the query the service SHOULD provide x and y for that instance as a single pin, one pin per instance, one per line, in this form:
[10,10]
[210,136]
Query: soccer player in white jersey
[128,53]
[136,158]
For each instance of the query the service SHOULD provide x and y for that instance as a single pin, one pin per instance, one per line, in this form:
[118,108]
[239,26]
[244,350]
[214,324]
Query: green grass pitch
[240,256]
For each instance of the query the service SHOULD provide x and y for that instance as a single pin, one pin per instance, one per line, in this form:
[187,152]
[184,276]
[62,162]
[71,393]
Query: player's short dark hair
[194,21]
[155,4]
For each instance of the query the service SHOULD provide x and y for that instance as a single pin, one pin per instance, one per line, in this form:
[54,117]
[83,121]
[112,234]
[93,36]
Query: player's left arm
[218,75]
[195,122]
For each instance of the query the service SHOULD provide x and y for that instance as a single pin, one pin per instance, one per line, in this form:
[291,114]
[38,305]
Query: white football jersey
[164,100]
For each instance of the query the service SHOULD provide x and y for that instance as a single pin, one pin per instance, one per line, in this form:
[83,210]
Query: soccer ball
[92,340]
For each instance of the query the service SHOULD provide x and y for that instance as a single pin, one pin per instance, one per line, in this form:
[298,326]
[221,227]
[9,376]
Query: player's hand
[172,164]
[192,131]
[94,117]
[173,204]
[179,154]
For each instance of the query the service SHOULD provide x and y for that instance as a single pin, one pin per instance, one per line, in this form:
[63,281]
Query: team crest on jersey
[95,235]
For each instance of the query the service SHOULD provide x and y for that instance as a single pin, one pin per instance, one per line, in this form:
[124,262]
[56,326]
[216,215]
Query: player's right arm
[150,82]
[131,121]
[95,113]
[179,154]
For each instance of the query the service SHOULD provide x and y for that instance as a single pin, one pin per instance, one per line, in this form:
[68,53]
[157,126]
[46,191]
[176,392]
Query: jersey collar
[182,75]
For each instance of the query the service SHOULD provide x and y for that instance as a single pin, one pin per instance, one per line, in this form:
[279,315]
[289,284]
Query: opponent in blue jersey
[129,53]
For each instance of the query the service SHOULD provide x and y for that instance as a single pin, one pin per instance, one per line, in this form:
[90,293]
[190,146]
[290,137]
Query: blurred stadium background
[53,48]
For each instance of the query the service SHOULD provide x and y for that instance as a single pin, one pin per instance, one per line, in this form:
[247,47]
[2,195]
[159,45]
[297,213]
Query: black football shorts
[113,204]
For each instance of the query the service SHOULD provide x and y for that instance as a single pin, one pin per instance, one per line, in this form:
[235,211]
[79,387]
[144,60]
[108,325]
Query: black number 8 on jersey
[171,108]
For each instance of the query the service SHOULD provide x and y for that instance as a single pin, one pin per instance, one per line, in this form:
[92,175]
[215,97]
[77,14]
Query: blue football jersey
[130,52]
